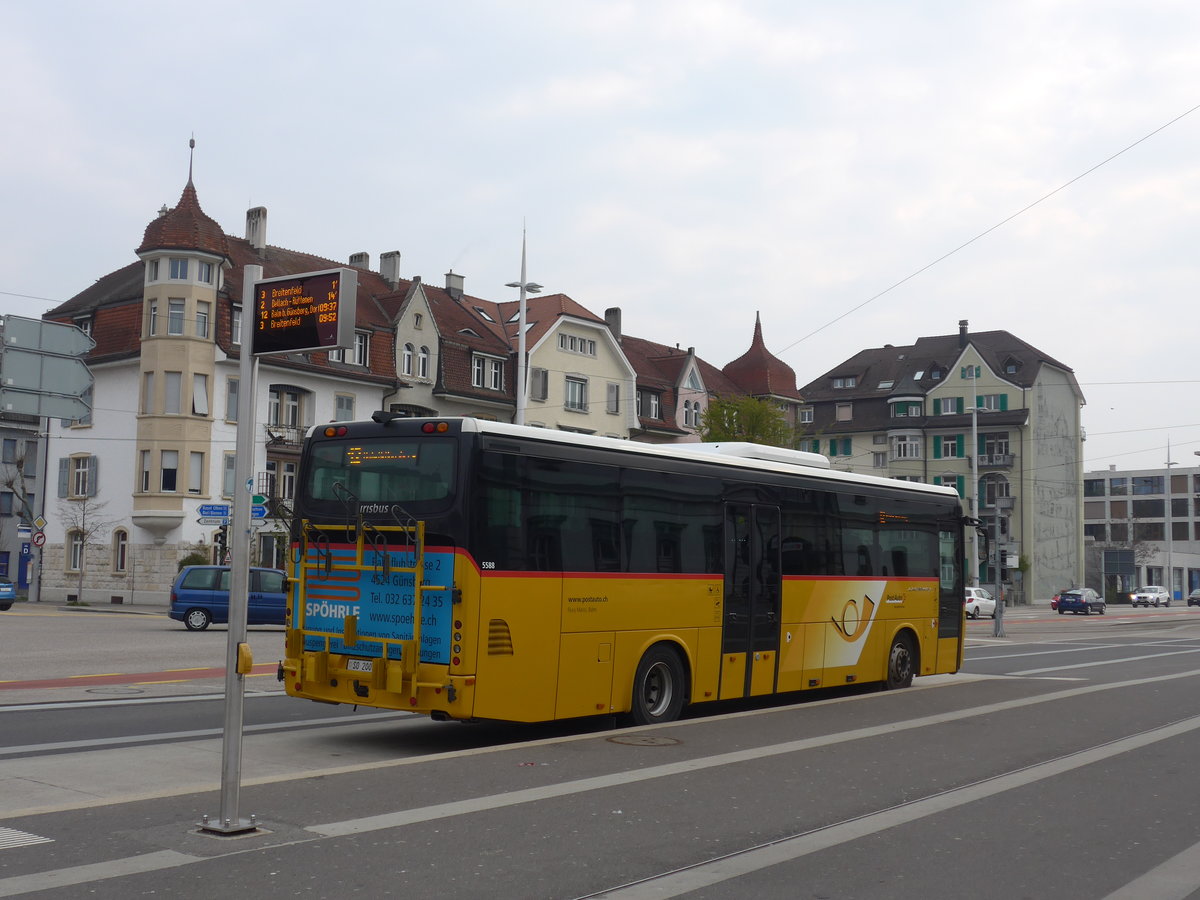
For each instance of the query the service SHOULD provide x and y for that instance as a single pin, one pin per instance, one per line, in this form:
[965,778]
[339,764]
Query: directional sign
[32,370]
[46,337]
[212,520]
[220,510]
[33,403]
[258,512]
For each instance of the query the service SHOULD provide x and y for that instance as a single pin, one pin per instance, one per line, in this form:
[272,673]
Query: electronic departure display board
[309,311]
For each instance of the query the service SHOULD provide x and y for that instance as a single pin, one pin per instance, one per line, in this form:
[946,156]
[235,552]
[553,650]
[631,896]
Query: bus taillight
[335,431]
[435,427]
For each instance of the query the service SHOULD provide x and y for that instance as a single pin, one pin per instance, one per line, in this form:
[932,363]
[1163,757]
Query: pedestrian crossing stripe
[10,837]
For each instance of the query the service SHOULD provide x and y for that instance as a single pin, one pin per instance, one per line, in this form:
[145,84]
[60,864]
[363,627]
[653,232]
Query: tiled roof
[759,373]
[185,227]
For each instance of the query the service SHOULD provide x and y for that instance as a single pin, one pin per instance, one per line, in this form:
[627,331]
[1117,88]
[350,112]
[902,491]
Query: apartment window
[195,472]
[687,413]
[906,446]
[10,450]
[231,400]
[948,446]
[170,470]
[574,344]
[905,409]
[613,399]
[1148,484]
[948,406]
[495,375]
[539,384]
[418,320]
[75,555]
[203,309]
[120,550]
[576,394]
[844,412]
[406,360]
[971,373]
[362,344]
[172,384]
[204,272]
[152,317]
[343,407]
[1097,531]
[879,460]
[993,402]
[235,325]
[283,408]
[839,446]
[287,481]
[996,444]
[846,381]
[145,471]
[81,480]
[1118,487]
[200,395]
[228,475]
[806,415]
[152,270]
[147,392]
[175,307]
[179,269]
[654,402]
[6,503]
[423,362]
[478,371]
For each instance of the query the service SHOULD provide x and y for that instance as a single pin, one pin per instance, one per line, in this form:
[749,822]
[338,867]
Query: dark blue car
[200,596]
[1080,600]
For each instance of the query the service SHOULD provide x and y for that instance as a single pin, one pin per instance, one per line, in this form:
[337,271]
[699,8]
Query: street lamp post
[526,287]
[1167,520]
[973,499]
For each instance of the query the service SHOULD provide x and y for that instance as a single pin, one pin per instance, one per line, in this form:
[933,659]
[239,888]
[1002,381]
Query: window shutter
[816,446]
[979,401]
[958,445]
[833,447]
[846,447]
[960,485]
[958,404]
[937,448]
[63,475]
[93,475]
[982,444]
[937,406]
[1003,402]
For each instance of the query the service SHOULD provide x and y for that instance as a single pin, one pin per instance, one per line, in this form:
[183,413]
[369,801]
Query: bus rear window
[391,470]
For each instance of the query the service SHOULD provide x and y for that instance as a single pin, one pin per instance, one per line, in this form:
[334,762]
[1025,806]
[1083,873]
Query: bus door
[750,636]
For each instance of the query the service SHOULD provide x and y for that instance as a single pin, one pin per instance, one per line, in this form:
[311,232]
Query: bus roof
[736,454]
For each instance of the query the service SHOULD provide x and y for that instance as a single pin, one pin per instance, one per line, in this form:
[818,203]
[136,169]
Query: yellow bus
[565,575]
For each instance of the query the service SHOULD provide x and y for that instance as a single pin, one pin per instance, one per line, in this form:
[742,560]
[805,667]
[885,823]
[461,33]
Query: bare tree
[84,522]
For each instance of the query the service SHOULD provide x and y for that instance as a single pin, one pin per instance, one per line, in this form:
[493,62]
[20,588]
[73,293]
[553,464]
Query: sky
[856,173]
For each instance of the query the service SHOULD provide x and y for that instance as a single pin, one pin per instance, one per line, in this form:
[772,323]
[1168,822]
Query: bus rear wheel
[902,663]
[658,687]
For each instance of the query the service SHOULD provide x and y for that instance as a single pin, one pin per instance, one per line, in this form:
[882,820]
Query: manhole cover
[643,740]
[115,690]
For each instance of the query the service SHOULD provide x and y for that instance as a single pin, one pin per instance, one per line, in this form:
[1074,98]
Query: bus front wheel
[658,687]
[902,663]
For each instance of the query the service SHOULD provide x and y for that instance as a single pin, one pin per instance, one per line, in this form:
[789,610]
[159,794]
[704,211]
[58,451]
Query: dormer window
[1011,366]
[845,381]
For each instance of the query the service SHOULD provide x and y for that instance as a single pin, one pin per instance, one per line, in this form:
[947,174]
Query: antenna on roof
[191,154]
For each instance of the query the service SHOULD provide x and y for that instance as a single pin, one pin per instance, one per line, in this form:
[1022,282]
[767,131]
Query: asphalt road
[1058,764]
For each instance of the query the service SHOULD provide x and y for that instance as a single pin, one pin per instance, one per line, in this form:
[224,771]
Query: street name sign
[214,509]
[258,512]
[212,520]
[309,311]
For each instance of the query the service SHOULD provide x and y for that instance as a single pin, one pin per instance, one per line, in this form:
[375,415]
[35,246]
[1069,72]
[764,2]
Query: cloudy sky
[691,162]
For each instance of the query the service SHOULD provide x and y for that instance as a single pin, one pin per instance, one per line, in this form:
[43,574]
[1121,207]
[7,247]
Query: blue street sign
[258,512]
[209,510]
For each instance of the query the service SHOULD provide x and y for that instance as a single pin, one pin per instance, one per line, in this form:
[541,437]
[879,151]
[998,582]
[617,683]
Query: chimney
[612,318]
[361,260]
[962,334]
[256,227]
[389,268]
[454,285]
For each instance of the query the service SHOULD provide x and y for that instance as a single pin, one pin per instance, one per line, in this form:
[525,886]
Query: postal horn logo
[854,621]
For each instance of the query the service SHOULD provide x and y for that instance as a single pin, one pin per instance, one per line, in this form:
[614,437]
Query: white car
[979,602]
[1150,595]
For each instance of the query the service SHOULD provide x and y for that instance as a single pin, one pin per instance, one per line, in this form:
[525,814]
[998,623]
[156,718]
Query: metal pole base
[217,826]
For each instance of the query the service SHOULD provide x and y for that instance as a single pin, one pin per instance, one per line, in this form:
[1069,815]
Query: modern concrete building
[1142,526]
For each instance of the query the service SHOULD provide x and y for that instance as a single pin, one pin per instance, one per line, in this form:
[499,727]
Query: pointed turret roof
[760,373]
[186,227]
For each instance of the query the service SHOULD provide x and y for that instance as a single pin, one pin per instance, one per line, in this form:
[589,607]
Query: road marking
[736,865]
[1102,662]
[10,837]
[1173,880]
[114,868]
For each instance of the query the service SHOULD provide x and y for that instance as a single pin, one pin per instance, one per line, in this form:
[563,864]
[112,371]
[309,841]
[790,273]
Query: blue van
[200,596]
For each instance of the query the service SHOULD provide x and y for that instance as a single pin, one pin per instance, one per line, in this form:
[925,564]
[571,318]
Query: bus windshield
[387,470]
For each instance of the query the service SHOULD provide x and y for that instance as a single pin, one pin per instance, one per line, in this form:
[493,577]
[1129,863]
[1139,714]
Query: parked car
[1081,600]
[979,602]
[1054,599]
[1150,595]
[200,596]
[8,593]
[1194,598]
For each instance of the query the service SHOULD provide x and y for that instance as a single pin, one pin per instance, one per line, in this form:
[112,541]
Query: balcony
[995,460]
[284,437]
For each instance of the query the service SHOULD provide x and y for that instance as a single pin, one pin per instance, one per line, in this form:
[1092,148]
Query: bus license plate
[359,665]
